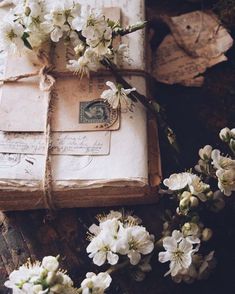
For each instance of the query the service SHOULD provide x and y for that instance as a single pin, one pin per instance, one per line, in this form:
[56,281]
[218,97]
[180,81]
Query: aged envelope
[76,107]
[127,160]
[73,143]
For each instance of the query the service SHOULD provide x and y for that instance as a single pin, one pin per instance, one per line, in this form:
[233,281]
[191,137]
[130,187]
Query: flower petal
[99,258]
[164,256]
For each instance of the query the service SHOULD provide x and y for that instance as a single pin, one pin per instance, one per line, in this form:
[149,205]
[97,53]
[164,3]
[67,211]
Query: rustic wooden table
[196,114]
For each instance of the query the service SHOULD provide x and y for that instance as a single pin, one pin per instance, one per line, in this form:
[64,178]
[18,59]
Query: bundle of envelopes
[99,155]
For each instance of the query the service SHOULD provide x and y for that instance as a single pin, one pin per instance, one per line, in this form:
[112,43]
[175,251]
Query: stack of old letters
[99,156]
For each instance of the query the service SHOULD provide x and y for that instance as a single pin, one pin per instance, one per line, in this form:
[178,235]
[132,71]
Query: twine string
[47,79]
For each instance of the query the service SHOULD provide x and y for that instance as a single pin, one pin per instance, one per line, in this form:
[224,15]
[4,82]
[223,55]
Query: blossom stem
[130,29]
[152,106]
[118,267]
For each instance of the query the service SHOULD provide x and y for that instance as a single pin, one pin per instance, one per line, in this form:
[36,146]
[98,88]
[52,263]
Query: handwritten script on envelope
[71,143]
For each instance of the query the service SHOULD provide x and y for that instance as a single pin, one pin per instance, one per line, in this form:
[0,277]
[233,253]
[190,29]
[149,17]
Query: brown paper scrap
[200,34]
[197,42]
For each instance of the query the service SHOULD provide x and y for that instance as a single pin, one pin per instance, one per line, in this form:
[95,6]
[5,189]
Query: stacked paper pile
[99,156]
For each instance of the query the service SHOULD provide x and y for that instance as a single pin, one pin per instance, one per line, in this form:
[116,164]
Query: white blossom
[179,252]
[40,278]
[117,95]
[96,30]
[178,181]
[226,180]
[20,279]
[100,250]
[32,14]
[86,63]
[11,36]
[96,284]
[136,241]
[197,187]
[198,270]
[59,17]
[221,162]
[104,245]
[118,234]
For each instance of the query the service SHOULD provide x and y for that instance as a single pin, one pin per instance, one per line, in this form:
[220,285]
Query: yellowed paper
[173,65]
[200,34]
[197,42]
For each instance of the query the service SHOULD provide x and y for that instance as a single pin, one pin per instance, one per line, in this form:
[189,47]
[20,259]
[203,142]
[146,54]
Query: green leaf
[25,40]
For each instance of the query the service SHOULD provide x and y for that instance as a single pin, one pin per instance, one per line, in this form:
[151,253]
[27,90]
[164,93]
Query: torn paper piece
[200,34]
[197,42]
[174,66]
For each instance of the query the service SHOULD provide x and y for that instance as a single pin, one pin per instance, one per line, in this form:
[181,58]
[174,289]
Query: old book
[91,165]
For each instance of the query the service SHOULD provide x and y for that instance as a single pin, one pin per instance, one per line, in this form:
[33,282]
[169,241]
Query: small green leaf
[25,40]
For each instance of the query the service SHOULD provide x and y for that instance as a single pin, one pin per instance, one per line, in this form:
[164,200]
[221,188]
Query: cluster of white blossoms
[118,235]
[47,278]
[40,278]
[222,167]
[190,190]
[31,23]
[186,264]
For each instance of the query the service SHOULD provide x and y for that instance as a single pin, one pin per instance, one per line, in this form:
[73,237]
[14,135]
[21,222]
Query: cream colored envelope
[76,107]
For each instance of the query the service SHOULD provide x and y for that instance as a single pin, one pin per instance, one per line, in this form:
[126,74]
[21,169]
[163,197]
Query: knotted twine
[47,79]
[47,85]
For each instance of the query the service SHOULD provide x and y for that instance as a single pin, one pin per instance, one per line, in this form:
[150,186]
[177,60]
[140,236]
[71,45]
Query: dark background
[196,115]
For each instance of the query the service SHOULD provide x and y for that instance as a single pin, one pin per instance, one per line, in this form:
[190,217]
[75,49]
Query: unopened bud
[205,152]
[232,132]
[189,229]
[206,234]
[193,201]
[232,145]
[225,134]
[186,195]
[209,194]
[184,203]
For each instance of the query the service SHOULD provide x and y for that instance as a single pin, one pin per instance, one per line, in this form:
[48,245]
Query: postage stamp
[97,111]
